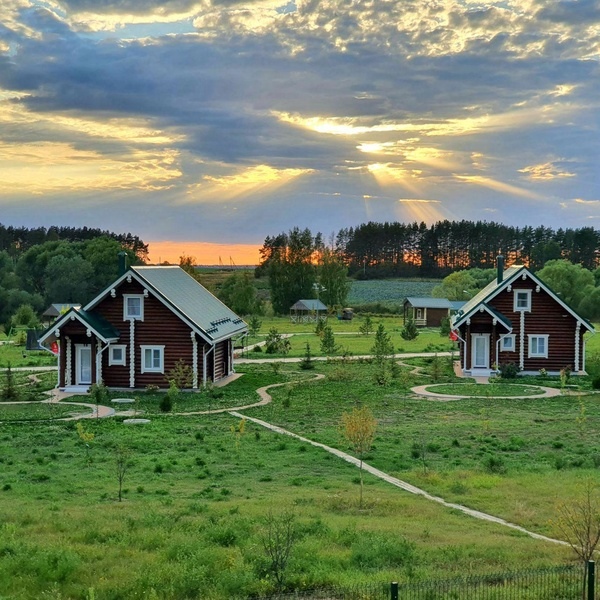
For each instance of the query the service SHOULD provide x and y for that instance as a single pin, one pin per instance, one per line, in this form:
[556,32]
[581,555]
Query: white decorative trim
[468,321]
[509,289]
[194,360]
[145,293]
[522,341]
[577,336]
[126,314]
[537,289]
[57,332]
[113,293]
[89,333]
[524,276]
[145,368]
[494,321]
[68,360]
[99,360]
[538,354]
[72,317]
[129,278]
[132,353]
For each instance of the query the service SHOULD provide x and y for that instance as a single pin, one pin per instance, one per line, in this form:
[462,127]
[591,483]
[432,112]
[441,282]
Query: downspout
[99,361]
[498,348]
[204,357]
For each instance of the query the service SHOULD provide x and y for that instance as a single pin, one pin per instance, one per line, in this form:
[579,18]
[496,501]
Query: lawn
[198,490]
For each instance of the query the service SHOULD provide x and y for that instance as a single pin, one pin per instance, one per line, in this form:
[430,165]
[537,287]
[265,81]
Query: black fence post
[591,580]
[394,590]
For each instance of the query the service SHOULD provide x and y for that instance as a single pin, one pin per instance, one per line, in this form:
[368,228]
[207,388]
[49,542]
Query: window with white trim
[153,359]
[507,343]
[133,307]
[116,355]
[522,300]
[538,346]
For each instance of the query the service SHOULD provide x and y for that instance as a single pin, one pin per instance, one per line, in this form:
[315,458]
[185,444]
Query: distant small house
[429,312]
[518,319]
[56,310]
[140,328]
[308,311]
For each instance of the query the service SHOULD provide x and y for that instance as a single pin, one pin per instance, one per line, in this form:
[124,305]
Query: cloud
[546,172]
[268,106]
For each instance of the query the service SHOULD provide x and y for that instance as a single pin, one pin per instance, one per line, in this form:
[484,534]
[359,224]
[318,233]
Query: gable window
[522,300]
[153,359]
[538,346]
[507,343]
[133,307]
[116,355]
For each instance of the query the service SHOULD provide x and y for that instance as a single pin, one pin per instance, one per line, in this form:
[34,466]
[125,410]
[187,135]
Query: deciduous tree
[359,427]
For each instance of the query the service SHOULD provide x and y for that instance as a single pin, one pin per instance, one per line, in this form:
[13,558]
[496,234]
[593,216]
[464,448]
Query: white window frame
[135,317]
[145,368]
[507,343]
[516,306]
[537,353]
[116,361]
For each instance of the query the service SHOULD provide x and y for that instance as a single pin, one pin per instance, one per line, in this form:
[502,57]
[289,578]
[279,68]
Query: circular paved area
[425,391]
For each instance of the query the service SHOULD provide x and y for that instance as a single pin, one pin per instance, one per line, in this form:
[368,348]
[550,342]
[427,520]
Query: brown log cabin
[518,319]
[132,335]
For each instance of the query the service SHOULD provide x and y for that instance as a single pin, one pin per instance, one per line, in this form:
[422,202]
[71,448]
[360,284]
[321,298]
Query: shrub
[166,403]
[508,370]
[494,464]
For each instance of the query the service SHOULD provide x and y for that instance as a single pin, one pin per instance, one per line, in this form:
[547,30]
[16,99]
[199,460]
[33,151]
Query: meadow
[200,492]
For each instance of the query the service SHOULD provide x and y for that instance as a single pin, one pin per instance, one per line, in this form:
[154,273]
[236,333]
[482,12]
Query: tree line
[15,241]
[379,250]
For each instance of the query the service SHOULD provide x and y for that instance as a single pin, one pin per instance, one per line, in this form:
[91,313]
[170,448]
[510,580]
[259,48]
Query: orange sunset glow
[204,253]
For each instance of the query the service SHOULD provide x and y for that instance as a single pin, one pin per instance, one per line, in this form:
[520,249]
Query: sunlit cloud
[587,202]
[245,182]
[545,172]
[62,167]
[499,186]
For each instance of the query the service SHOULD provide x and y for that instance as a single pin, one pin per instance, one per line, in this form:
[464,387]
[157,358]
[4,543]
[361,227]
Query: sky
[203,126]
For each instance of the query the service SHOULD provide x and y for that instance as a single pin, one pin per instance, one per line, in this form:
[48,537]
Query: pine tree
[409,331]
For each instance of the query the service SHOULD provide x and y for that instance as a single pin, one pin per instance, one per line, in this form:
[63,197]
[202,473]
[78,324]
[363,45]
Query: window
[507,343]
[133,307]
[153,359]
[116,355]
[538,346]
[419,313]
[522,300]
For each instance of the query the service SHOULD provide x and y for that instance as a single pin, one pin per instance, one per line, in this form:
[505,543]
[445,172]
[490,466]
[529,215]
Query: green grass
[489,390]
[196,493]
[350,341]
[38,412]
[18,356]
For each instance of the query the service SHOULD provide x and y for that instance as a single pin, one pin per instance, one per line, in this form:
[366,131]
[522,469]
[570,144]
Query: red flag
[54,347]
[453,336]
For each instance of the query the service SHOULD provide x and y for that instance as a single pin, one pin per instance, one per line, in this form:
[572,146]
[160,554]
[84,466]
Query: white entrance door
[481,351]
[83,364]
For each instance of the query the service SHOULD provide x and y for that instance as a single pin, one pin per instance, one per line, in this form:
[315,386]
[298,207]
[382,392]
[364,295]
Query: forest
[380,250]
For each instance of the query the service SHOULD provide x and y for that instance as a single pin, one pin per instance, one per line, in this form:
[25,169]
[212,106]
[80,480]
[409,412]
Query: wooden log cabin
[518,319]
[134,333]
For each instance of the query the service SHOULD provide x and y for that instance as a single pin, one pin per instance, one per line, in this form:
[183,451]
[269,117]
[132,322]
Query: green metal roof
[96,323]
[192,300]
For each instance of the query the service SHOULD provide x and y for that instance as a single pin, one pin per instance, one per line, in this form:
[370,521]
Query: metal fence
[554,583]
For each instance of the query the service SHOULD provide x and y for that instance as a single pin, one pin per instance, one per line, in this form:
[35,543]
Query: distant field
[388,290]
